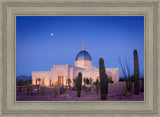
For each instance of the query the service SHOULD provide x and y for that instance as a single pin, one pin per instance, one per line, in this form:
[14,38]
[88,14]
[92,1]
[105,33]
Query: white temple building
[83,64]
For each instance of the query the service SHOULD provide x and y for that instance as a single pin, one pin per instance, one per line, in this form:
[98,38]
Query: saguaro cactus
[136,73]
[103,79]
[79,84]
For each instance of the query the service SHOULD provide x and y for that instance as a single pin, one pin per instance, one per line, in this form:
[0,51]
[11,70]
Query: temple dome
[83,55]
[83,59]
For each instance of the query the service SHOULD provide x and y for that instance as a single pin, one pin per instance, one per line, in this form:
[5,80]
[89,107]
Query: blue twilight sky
[104,36]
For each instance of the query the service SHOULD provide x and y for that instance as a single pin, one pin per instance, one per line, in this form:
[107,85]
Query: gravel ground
[71,96]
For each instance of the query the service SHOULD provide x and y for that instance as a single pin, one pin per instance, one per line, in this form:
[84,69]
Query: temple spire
[83,46]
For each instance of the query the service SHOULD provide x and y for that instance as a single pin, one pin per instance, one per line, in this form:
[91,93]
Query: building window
[43,82]
[60,80]
[36,81]
[50,82]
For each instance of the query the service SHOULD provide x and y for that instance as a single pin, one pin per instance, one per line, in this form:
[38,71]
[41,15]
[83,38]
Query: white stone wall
[114,73]
[118,88]
[69,71]
[83,63]
[46,75]
[94,73]
[59,70]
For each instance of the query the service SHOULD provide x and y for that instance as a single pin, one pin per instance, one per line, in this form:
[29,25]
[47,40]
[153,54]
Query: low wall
[119,88]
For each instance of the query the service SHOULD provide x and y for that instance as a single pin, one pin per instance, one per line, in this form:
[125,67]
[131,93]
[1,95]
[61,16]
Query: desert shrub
[55,89]
[68,83]
[97,85]
[87,90]
[63,90]
[75,82]
[42,88]
[29,87]
[110,79]
[124,93]
[87,81]
[121,80]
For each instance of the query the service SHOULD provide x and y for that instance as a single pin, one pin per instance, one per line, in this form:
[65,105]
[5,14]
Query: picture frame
[10,9]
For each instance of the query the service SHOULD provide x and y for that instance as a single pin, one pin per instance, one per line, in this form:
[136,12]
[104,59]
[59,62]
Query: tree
[126,73]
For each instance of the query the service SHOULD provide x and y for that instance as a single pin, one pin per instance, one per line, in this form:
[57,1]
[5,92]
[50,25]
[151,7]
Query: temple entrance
[60,80]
